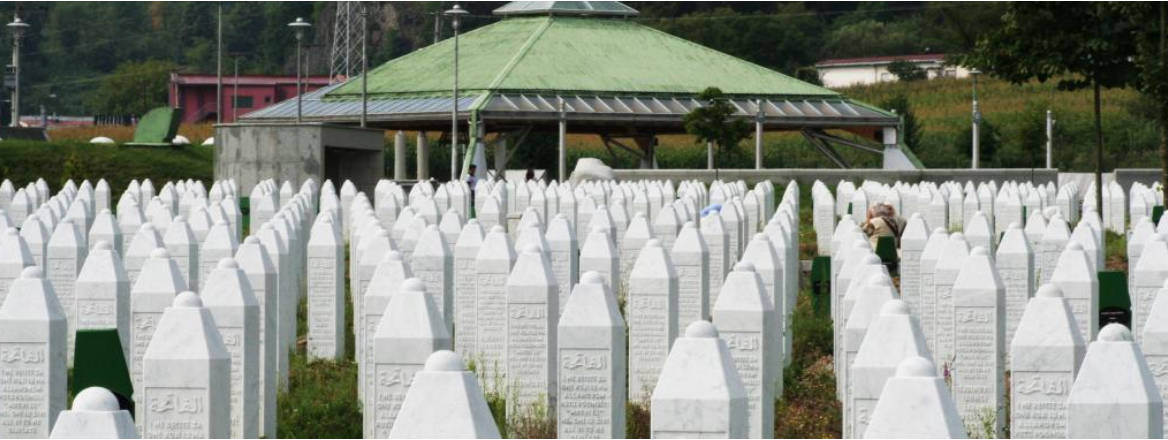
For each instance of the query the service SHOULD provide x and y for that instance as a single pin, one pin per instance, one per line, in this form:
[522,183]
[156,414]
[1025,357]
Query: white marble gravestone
[65,256]
[492,267]
[1080,286]
[699,393]
[716,238]
[253,259]
[691,260]
[652,317]
[1015,262]
[745,318]
[893,337]
[138,251]
[978,232]
[183,246]
[433,263]
[638,232]
[598,254]
[105,228]
[95,414]
[915,403]
[1148,276]
[103,294]
[36,235]
[1114,394]
[1046,351]
[186,377]
[14,257]
[532,311]
[227,294]
[388,279]
[564,255]
[326,290]
[410,330]
[591,359]
[32,357]
[912,244]
[220,243]
[465,287]
[869,298]
[979,346]
[444,401]
[150,295]
[1154,342]
[949,265]
[1054,240]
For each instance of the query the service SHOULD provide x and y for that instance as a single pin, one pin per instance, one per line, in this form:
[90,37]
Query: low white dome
[101,140]
[180,140]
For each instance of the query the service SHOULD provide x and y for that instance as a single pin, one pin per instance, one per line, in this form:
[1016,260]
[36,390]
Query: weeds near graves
[533,421]
[988,418]
[808,407]
[637,423]
[1115,252]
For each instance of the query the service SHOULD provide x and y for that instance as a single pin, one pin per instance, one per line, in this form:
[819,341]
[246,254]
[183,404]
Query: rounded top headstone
[591,277]
[32,272]
[159,253]
[227,263]
[1049,290]
[412,285]
[1115,332]
[894,307]
[497,228]
[104,211]
[957,236]
[95,399]
[939,230]
[251,239]
[187,299]
[977,251]
[102,245]
[915,366]
[744,266]
[701,329]
[1074,245]
[443,360]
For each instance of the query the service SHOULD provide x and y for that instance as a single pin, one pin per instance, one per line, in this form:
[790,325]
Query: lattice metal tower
[347,41]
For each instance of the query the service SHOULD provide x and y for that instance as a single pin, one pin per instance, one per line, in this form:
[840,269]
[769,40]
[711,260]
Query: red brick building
[195,93]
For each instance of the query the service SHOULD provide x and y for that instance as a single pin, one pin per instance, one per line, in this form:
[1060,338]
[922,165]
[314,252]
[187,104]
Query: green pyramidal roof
[564,54]
[566,8]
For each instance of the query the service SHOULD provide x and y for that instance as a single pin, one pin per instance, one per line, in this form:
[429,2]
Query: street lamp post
[17,27]
[455,14]
[364,66]
[300,26]
[976,123]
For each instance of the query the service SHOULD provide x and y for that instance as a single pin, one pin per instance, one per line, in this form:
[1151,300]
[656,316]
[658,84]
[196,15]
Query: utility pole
[1049,139]
[219,66]
[364,66]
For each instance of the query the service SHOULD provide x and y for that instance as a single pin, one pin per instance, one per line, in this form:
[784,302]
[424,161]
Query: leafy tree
[1151,40]
[133,89]
[910,128]
[713,123]
[1082,46]
[906,71]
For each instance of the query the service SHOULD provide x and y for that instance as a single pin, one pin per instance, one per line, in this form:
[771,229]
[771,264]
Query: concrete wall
[806,177]
[250,153]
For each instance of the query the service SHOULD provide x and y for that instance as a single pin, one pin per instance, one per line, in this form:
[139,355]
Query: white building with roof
[845,72]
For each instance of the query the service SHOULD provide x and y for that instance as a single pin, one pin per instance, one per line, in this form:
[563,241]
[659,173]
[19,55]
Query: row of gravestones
[967,333]
[249,286]
[507,292]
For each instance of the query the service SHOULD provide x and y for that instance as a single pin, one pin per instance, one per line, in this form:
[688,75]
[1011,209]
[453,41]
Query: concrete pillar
[709,155]
[500,156]
[647,144]
[399,156]
[480,153]
[423,157]
[563,152]
[758,137]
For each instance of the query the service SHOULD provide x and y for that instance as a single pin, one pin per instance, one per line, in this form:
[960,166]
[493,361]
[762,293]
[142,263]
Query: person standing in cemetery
[883,222]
